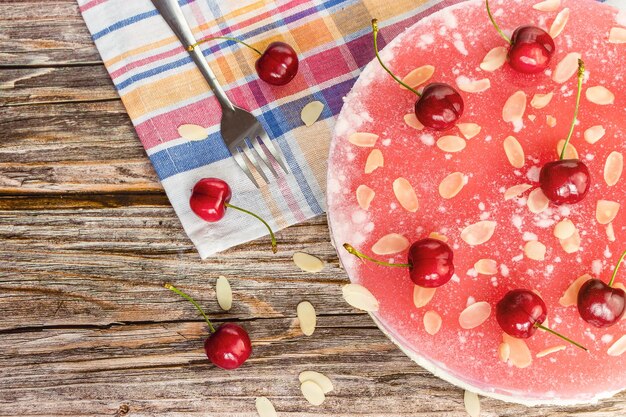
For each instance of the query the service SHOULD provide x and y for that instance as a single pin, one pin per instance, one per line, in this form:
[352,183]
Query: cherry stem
[375,32]
[581,74]
[182,294]
[274,246]
[495,25]
[351,250]
[228,38]
[616,268]
[567,339]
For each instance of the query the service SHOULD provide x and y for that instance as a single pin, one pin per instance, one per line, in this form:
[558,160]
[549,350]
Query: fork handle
[173,15]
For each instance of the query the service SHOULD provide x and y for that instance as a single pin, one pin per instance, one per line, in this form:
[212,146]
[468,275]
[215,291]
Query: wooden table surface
[88,238]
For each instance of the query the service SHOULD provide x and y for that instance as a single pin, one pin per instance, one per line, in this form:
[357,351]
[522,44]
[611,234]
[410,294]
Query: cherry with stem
[438,106]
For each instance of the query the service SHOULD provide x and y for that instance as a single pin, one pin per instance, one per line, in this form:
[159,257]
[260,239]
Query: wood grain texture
[88,239]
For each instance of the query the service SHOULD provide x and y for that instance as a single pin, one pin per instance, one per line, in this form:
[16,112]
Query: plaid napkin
[162,89]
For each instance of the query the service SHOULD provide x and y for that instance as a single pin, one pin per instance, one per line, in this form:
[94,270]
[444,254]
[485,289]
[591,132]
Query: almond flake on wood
[363,139]
[320,379]
[405,194]
[306,317]
[418,76]
[474,315]
[514,152]
[594,134]
[438,236]
[265,408]
[486,266]
[570,296]
[472,404]
[504,350]
[548,6]
[570,152]
[311,112]
[412,121]
[364,196]
[478,233]
[610,232]
[390,244]
[550,350]
[359,297]
[564,229]
[374,161]
[519,355]
[540,101]
[422,295]
[192,132]
[432,322]
[618,347]
[514,108]
[469,130]
[617,35]
[451,185]
[606,211]
[224,293]
[572,243]
[566,68]
[537,201]
[308,263]
[516,191]
[494,59]
[613,168]
[600,95]
[559,23]
[473,86]
[451,143]
[312,392]
[535,250]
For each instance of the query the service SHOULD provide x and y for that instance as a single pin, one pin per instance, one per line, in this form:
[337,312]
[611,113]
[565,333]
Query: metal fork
[241,131]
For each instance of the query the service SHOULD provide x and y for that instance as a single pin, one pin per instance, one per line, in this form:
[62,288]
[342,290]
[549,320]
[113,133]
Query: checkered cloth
[162,89]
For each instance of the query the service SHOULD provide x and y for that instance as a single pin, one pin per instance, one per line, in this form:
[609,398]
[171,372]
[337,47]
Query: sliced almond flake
[504,350]
[519,355]
[617,35]
[390,244]
[374,161]
[311,112]
[359,297]
[559,23]
[540,101]
[473,86]
[613,168]
[363,139]
[618,347]
[312,392]
[494,59]
[486,266]
[514,152]
[472,404]
[320,379]
[364,196]
[469,130]
[478,233]
[606,211]
[432,322]
[438,236]
[572,243]
[418,76]
[566,68]
[422,295]
[192,132]
[306,317]
[600,95]
[532,117]
[594,134]
[224,293]
[451,185]
[535,250]
[405,194]
[265,408]
[570,152]
[550,121]
[564,229]
[550,350]
[451,143]
[570,297]
[475,315]
[412,121]
[610,232]
[516,191]
[548,6]
[514,107]
[308,263]
[537,201]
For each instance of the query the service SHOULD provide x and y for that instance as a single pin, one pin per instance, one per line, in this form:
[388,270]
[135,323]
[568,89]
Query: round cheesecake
[392,181]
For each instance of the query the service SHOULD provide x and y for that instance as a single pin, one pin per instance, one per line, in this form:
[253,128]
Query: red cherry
[278,64]
[531,49]
[431,263]
[229,347]
[209,198]
[519,312]
[439,106]
[565,181]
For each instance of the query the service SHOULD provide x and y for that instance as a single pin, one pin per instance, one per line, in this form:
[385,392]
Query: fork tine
[242,164]
[259,152]
[275,153]
[250,156]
